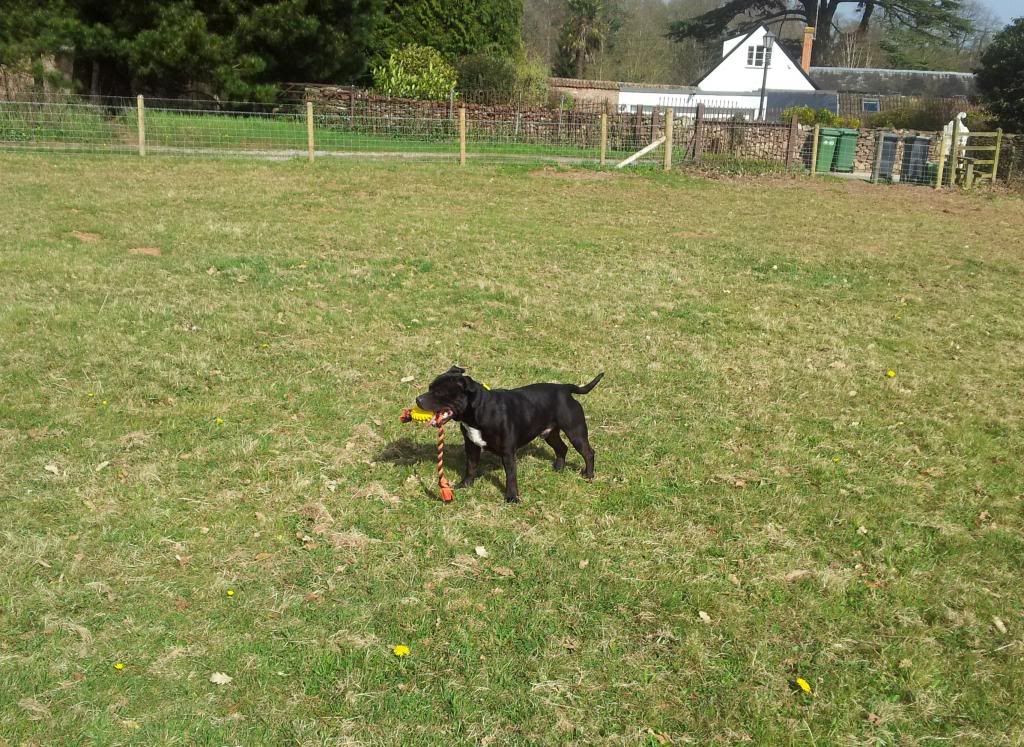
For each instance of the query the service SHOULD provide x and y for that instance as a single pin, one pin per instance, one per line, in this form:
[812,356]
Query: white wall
[686,103]
[732,73]
[729,44]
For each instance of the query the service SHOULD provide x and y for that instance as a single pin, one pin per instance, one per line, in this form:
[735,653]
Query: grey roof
[883,82]
[658,88]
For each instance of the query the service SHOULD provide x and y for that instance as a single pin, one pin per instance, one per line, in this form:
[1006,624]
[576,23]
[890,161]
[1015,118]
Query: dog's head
[449,396]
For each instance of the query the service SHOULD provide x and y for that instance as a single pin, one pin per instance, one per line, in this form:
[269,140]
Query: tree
[934,18]
[587,29]
[230,48]
[1001,77]
[29,31]
[638,50]
[542,23]
[453,27]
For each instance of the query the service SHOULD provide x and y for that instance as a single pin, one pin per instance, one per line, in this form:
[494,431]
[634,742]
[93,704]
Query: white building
[733,86]
[742,68]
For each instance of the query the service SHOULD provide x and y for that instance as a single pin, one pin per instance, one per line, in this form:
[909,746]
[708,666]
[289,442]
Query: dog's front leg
[511,486]
[472,462]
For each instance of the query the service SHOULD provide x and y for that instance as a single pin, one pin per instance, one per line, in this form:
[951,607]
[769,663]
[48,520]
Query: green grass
[223,416]
[25,125]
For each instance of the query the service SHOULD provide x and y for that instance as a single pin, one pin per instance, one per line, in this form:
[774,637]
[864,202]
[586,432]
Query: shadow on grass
[407,452]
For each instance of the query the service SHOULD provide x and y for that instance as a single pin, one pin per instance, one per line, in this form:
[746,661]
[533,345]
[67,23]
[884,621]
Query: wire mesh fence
[348,122]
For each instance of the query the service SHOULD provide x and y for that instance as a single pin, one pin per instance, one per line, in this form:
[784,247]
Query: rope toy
[437,420]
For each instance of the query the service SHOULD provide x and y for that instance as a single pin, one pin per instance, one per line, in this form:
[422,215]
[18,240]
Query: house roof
[883,82]
[604,85]
[776,49]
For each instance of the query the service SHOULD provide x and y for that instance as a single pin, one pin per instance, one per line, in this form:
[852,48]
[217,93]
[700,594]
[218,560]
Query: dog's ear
[456,370]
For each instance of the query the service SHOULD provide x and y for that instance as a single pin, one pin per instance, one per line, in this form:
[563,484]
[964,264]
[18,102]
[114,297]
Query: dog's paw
[511,499]
[463,484]
[589,477]
[559,465]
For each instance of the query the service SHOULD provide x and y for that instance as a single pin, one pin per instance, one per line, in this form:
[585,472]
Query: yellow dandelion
[119,665]
[835,459]
[104,402]
[91,394]
[231,592]
[890,374]
[401,650]
[803,685]
[219,421]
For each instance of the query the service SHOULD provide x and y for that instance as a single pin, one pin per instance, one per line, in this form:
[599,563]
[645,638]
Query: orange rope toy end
[446,489]
[447,492]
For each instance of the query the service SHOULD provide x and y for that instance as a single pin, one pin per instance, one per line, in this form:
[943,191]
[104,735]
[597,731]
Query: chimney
[805,58]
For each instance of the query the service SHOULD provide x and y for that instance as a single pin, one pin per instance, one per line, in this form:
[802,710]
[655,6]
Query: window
[869,105]
[756,56]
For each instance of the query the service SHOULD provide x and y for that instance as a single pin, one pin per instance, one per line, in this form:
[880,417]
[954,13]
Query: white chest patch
[475,436]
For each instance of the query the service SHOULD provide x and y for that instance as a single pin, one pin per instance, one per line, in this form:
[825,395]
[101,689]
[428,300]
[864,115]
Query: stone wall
[580,127]
[603,93]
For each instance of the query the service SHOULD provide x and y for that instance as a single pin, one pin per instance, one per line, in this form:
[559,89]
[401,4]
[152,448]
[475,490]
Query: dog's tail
[584,389]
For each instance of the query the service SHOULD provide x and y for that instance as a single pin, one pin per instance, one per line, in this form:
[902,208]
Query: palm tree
[584,33]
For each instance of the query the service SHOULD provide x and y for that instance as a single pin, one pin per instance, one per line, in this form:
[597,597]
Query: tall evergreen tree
[1001,76]
[453,27]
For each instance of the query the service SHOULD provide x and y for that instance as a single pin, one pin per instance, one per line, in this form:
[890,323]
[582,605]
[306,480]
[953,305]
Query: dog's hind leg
[555,442]
[577,434]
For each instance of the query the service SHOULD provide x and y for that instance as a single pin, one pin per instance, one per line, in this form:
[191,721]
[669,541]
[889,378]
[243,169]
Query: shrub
[564,101]
[416,72]
[925,119]
[485,74]
[807,116]
[532,80]
[503,78]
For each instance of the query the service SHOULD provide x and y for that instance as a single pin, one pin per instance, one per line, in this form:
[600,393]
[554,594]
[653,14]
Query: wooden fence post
[814,149]
[876,168]
[995,158]
[954,152]
[794,132]
[669,122]
[309,130]
[604,136]
[941,167]
[698,134]
[462,136]
[141,117]
[351,106]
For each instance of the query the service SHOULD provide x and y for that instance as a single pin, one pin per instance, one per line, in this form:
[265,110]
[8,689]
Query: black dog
[504,420]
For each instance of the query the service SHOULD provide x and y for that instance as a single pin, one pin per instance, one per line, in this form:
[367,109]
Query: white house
[742,68]
[734,85]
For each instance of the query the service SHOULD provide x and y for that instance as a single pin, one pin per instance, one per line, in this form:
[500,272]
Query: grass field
[201,468]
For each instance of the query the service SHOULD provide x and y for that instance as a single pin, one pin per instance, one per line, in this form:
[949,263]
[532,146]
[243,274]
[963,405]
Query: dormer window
[759,56]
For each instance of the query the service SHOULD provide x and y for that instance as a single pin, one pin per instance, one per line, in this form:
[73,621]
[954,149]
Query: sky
[1006,9]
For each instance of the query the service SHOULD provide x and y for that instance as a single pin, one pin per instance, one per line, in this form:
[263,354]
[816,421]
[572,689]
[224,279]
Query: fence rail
[347,123]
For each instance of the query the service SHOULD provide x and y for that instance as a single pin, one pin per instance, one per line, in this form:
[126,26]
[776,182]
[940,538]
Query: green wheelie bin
[828,137]
[846,152]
